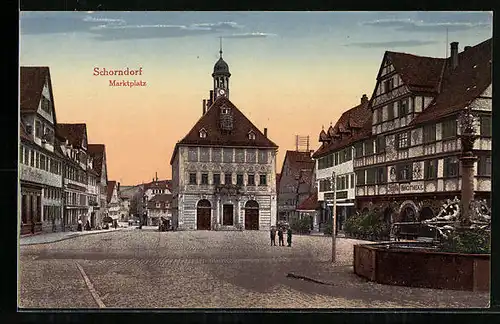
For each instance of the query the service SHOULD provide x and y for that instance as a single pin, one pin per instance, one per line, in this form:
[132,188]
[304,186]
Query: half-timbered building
[40,164]
[410,163]
[99,165]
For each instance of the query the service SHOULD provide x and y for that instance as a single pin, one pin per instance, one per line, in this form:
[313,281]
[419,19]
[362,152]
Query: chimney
[466,48]
[118,186]
[265,132]
[454,54]
[364,99]
[204,106]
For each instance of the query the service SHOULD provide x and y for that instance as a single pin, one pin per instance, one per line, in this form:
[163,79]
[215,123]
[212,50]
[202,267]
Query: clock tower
[221,76]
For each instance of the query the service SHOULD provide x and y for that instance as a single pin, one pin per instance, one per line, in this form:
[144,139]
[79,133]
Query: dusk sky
[292,72]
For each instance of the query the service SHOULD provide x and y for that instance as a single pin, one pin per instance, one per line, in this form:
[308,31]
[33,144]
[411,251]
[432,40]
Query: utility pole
[334,222]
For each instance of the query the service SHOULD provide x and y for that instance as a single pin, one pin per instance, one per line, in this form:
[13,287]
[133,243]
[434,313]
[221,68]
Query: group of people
[281,232]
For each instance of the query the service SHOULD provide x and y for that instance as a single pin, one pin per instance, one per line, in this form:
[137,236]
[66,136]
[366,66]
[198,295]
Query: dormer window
[225,110]
[251,135]
[203,133]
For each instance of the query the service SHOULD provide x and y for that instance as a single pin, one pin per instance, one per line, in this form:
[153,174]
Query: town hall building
[224,169]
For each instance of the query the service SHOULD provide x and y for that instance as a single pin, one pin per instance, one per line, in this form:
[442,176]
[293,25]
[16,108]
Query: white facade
[187,195]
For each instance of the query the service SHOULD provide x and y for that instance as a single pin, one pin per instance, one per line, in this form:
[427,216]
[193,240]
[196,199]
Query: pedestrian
[280,237]
[289,237]
[273,236]
[87,226]
[79,226]
[116,224]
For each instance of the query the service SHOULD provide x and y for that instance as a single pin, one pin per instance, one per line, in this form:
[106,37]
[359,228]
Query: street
[134,268]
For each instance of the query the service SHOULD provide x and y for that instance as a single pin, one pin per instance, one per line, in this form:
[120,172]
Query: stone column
[467,192]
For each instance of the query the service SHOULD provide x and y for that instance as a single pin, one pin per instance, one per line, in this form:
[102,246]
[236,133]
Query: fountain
[450,261]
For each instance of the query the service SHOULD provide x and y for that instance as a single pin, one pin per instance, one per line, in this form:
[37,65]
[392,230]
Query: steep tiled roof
[210,122]
[357,120]
[311,203]
[32,80]
[461,85]
[419,73]
[161,199]
[74,133]
[160,184]
[97,152]
[298,160]
[110,188]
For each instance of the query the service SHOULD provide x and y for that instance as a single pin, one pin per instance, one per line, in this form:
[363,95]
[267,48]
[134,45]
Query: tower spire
[220,50]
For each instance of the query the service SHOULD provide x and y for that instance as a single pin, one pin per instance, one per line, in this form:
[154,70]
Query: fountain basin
[416,264]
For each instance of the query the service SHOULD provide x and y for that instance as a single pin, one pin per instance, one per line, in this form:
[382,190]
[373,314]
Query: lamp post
[334,221]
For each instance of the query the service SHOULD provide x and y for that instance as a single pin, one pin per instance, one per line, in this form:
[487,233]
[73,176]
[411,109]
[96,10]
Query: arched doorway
[408,215]
[203,215]
[252,215]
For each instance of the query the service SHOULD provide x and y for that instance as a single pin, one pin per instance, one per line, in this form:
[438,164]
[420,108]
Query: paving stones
[202,269]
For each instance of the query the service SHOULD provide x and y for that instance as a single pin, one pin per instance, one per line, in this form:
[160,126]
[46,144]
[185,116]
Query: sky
[291,72]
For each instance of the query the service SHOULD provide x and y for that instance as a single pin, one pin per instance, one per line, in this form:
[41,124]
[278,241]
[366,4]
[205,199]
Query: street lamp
[334,221]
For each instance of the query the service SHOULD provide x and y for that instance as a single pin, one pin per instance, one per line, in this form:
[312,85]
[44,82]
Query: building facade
[99,165]
[334,164]
[295,183]
[409,166]
[40,164]
[224,169]
[160,206]
[113,202]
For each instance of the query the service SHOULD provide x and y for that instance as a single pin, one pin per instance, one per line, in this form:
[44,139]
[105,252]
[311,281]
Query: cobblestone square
[207,269]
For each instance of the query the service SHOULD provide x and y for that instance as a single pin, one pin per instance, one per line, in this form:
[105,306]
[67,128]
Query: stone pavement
[44,238]
[203,269]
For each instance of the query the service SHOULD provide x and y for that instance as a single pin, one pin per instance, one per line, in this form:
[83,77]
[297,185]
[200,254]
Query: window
[37,159]
[388,85]
[251,135]
[371,176]
[430,169]
[369,147]
[360,177]
[192,178]
[381,175]
[325,185]
[239,179]
[390,111]
[251,156]
[216,155]
[42,161]
[335,159]
[227,155]
[348,154]
[45,104]
[402,140]
[430,133]
[262,156]
[352,180]
[451,166]
[228,178]
[204,178]
[251,180]
[240,156]
[484,165]
[380,144]
[404,172]
[204,154]
[203,133]
[379,115]
[485,122]
[193,154]
[216,178]
[403,108]
[38,129]
[263,180]
[449,129]
[359,149]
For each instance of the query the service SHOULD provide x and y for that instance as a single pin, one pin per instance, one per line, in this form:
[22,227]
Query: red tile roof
[32,80]
[110,189]
[311,203]
[357,121]
[74,133]
[238,137]
[419,73]
[460,86]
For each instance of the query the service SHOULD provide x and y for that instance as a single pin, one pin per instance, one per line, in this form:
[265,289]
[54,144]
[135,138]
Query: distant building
[99,165]
[159,206]
[295,182]
[224,169]
[113,201]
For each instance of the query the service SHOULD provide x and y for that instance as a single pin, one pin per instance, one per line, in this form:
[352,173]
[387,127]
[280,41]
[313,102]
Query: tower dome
[221,67]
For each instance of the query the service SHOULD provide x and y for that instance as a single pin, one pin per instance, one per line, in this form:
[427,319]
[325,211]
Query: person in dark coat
[280,237]
[273,236]
[289,237]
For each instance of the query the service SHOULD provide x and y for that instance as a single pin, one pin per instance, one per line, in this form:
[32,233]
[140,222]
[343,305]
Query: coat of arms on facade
[392,174]
[417,171]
